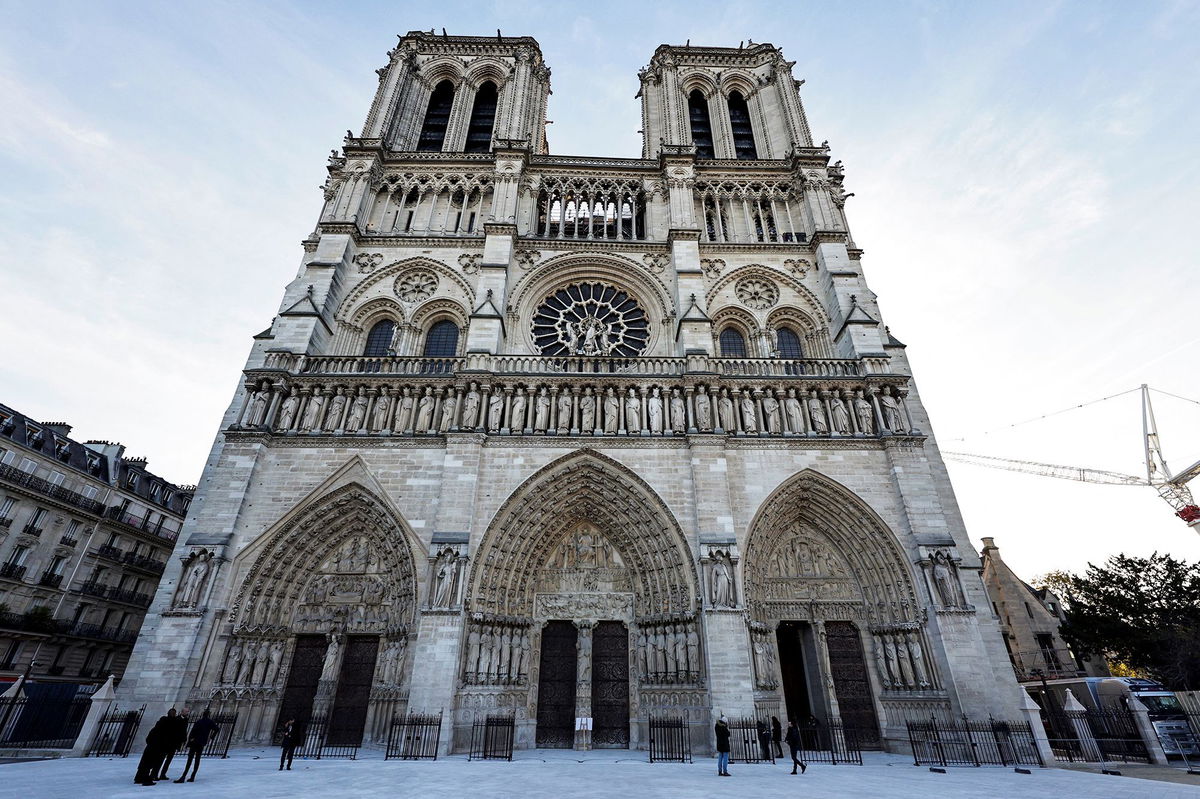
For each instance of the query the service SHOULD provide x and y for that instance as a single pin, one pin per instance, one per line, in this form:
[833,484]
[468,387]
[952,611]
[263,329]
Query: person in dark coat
[721,728]
[156,749]
[202,731]
[176,738]
[776,735]
[291,739]
[793,742]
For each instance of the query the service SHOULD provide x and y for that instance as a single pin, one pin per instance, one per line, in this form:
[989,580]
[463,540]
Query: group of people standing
[166,738]
[766,739]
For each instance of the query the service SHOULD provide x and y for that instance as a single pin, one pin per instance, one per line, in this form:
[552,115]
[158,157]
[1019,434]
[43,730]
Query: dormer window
[34,436]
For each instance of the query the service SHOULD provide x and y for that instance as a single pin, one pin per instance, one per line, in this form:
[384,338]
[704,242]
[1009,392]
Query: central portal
[610,685]
[556,686]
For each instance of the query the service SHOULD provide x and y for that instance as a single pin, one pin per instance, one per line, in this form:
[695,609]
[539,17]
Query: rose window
[590,319]
[416,285]
[757,293]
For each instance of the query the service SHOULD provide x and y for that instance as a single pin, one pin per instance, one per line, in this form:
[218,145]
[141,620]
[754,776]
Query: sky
[1026,184]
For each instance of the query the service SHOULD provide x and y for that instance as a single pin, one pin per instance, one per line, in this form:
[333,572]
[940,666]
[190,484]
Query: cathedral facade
[574,437]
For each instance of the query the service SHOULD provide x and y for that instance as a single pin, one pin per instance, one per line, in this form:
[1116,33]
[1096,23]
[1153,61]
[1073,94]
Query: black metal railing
[129,596]
[750,740]
[670,739]
[116,733]
[830,742]
[973,743]
[98,632]
[316,744]
[110,552]
[141,524]
[50,579]
[5,523]
[32,530]
[22,478]
[492,737]
[415,736]
[144,563]
[218,742]
[12,571]
[93,588]
[1094,736]
[50,722]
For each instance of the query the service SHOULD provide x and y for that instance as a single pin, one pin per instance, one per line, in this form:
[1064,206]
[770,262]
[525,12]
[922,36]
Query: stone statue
[337,407]
[862,409]
[703,410]
[448,407]
[816,414]
[945,583]
[258,407]
[587,411]
[395,344]
[260,664]
[721,581]
[518,411]
[358,412]
[612,410]
[276,658]
[332,656]
[654,411]
[470,408]
[840,419]
[771,412]
[380,417]
[633,412]
[795,414]
[693,650]
[918,660]
[425,412]
[404,420]
[906,670]
[892,418]
[312,414]
[246,668]
[287,413]
[881,664]
[564,420]
[495,410]
[725,412]
[191,584]
[749,417]
[446,569]
[541,416]
[893,667]
[678,412]
[472,654]
[232,658]
[681,661]
[585,657]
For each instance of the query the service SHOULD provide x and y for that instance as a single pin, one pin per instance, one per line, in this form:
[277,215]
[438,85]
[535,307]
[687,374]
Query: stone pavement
[558,774]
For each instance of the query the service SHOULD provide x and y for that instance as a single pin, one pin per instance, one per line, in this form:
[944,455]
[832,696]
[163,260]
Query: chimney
[61,428]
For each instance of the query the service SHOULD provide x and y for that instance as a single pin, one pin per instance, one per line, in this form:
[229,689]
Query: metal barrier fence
[1095,736]
[670,739]
[750,741]
[973,743]
[50,722]
[116,733]
[316,745]
[831,743]
[492,737]
[218,742]
[414,737]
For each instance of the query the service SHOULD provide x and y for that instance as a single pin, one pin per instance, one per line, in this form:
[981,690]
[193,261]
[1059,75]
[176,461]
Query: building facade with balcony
[576,437]
[1030,619]
[85,534]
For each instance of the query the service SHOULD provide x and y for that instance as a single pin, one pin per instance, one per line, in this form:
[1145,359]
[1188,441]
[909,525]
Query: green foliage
[1141,612]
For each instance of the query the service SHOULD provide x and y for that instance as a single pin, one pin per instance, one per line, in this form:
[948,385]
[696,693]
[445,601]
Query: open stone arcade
[572,438]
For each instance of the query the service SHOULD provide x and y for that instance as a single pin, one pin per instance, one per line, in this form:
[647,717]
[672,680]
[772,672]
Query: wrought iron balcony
[1045,663]
[46,488]
[92,588]
[110,552]
[139,524]
[5,523]
[50,579]
[102,633]
[129,596]
[12,571]
[30,529]
[144,563]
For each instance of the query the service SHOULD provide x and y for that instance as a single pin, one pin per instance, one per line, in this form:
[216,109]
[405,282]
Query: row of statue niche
[390,667]
[900,661]
[599,411]
[252,662]
[669,653]
[497,654]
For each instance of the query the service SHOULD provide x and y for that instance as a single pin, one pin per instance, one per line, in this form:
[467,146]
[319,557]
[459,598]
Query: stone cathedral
[576,437]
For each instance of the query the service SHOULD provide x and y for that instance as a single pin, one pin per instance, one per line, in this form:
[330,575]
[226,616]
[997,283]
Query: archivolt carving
[759,272]
[532,526]
[814,541]
[345,563]
[379,280]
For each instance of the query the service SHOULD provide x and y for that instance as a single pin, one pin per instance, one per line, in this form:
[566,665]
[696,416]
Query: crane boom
[1076,473]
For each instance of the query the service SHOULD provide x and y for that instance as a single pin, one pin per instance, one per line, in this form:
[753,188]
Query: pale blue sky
[1025,178]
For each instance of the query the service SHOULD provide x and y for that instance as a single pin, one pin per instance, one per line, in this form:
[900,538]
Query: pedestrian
[289,742]
[156,749]
[793,742]
[721,728]
[764,740]
[176,738]
[202,730]
[776,735]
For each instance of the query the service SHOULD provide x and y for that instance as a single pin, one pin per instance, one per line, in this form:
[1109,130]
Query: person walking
[202,731]
[156,749]
[764,740]
[793,742]
[289,742]
[721,728]
[176,738]
[777,735]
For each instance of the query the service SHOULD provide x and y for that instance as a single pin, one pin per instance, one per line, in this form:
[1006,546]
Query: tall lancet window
[437,117]
[732,343]
[483,118]
[701,126]
[379,340]
[739,121]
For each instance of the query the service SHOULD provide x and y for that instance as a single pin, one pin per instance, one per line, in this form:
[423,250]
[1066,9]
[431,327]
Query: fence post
[101,701]
[1141,717]
[1040,740]
[1077,714]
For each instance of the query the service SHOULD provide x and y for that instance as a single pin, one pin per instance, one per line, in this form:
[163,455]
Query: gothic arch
[698,79]
[861,571]
[381,279]
[583,486]
[299,563]
[486,68]
[442,68]
[814,309]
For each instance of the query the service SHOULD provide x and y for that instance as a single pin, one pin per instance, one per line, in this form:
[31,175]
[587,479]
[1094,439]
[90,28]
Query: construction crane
[1170,486]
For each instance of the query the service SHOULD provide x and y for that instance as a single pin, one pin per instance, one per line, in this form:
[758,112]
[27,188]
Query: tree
[1142,612]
